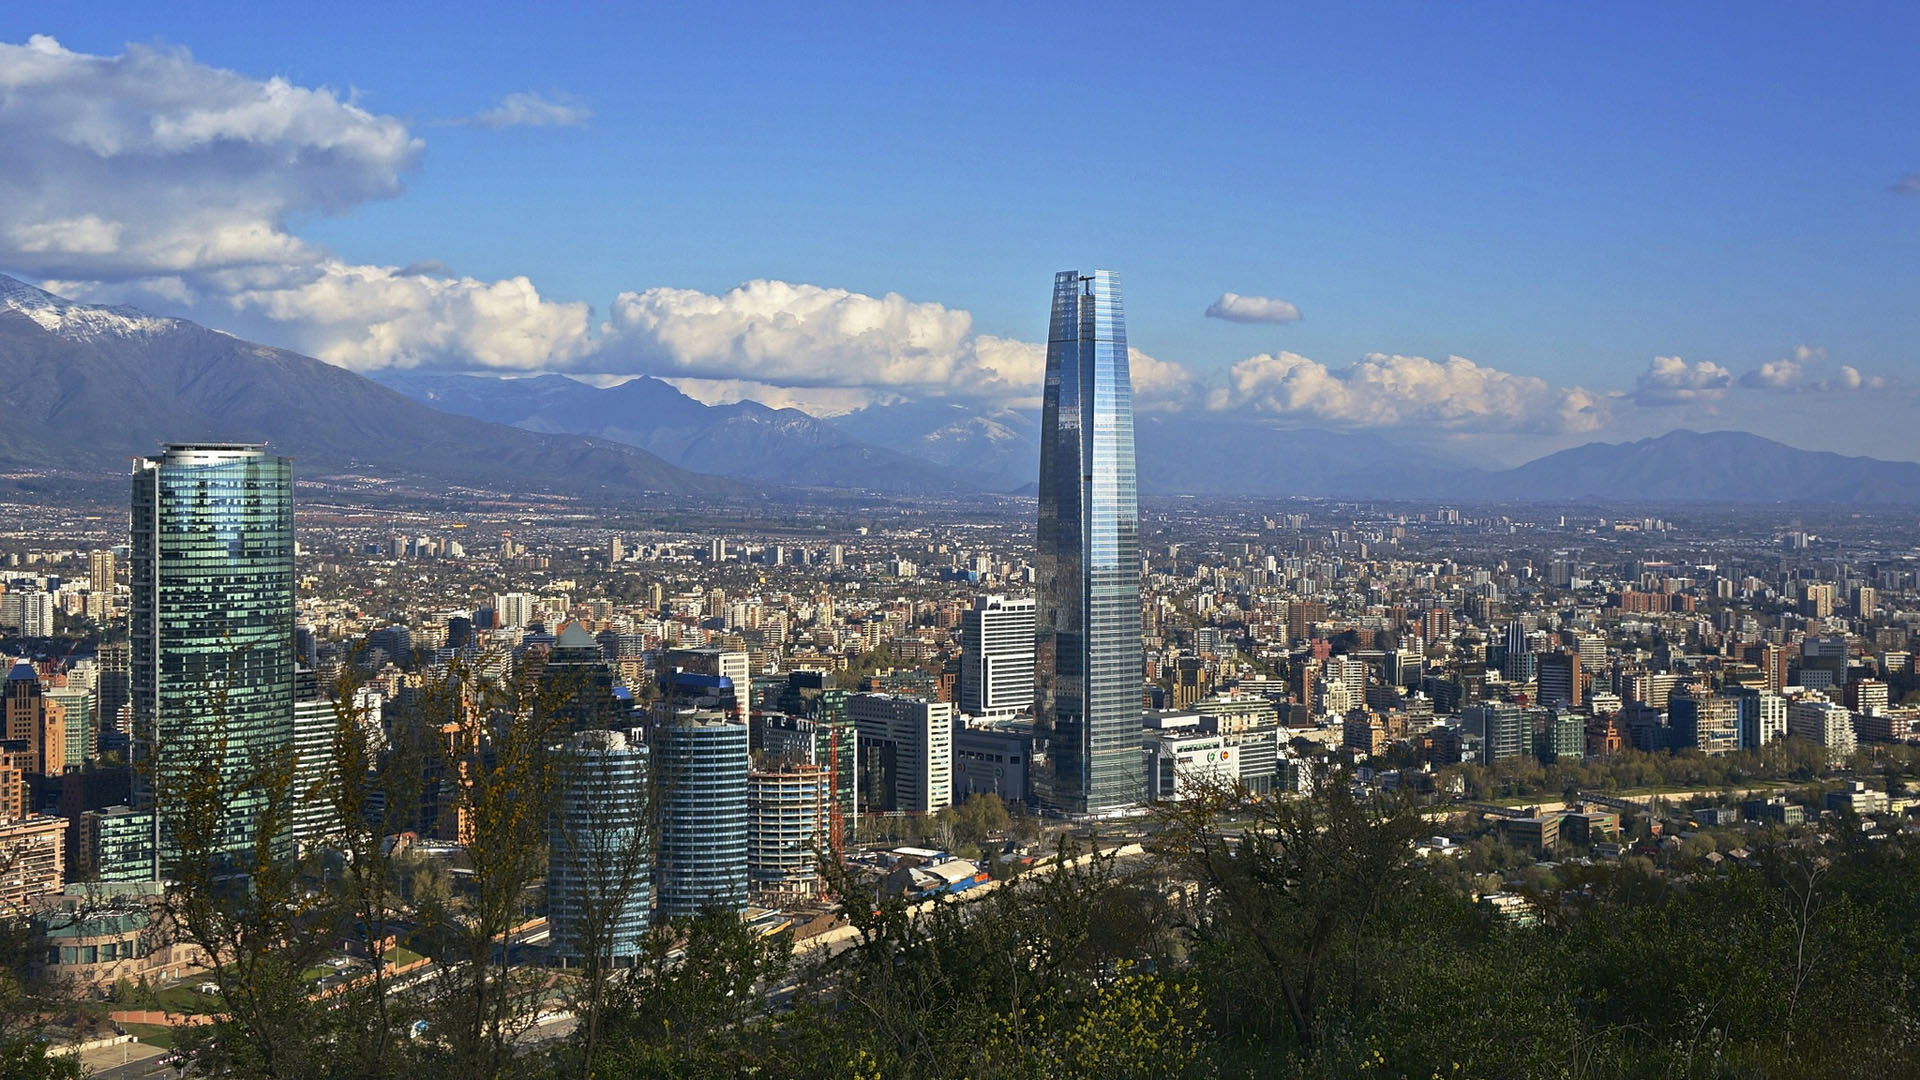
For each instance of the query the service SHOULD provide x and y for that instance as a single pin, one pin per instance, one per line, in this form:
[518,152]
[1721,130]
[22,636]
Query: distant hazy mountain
[1717,466]
[84,387]
[1177,454]
[745,439]
[997,450]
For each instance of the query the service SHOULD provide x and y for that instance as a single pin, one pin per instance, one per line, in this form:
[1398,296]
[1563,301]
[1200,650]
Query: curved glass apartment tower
[1087,633]
[212,627]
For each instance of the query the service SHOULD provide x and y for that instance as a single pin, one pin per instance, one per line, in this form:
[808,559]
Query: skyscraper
[599,885]
[212,627]
[996,656]
[703,761]
[100,573]
[1087,623]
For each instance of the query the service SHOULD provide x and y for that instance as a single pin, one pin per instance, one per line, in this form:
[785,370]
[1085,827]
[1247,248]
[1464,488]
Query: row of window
[97,954]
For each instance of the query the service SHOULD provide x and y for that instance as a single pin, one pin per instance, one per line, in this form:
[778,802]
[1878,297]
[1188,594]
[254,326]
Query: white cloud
[1252,309]
[150,163]
[1670,380]
[533,110]
[1387,391]
[1158,384]
[1799,373]
[366,317]
[1906,185]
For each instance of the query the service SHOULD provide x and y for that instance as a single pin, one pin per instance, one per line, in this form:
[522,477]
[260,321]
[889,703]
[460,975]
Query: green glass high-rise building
[212,626]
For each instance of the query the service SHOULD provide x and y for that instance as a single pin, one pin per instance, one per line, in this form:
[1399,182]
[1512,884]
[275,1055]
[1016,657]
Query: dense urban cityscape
[764,711]
[631,592]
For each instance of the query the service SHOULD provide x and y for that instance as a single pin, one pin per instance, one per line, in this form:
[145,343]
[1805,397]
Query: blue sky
[1553,193]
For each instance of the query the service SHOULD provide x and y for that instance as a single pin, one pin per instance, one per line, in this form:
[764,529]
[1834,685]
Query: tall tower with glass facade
[212,626]
[599,882]
[703,760]
[1087,626]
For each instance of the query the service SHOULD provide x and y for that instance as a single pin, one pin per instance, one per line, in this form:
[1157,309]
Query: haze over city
[1102,542]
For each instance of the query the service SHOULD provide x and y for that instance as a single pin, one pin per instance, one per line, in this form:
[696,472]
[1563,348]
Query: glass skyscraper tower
[212,626]
[1087,632]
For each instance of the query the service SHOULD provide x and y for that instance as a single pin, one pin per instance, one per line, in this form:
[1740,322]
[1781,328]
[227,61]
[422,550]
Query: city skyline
[1552,237]
[712,631]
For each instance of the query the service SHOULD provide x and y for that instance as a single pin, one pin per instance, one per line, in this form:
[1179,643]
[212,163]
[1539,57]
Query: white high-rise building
[1824,722]
[913,739]
[996,656]
[36,614]
[513,609]
[1773,717]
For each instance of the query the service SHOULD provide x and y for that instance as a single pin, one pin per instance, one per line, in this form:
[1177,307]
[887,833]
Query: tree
[1288,901]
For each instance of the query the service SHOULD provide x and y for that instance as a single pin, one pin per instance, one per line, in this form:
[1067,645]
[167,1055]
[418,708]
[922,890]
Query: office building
[599,881]
[36,722]
[1503,727]
[212,626]
[906,752]
[1182,762]
[82,724]
[1762,716]
[1087,699]
[113,688]
[1559,735]
[992,756]
[1518,667]
[576,689]
[703,761]
[733,666]
[996,657]
[1703,720]
[1559,678]
[788,811]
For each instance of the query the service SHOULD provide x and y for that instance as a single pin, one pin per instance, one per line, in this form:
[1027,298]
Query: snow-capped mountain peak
[76,321]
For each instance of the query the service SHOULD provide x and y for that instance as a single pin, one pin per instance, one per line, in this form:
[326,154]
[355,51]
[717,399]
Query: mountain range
[744,439]
[87,386]
[84,387]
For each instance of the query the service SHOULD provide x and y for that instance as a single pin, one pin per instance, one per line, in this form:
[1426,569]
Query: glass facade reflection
[213,618]
[1087,634]
[703,758]
[599,890]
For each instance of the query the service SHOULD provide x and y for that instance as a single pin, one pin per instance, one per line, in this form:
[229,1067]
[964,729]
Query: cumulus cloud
[800,335]
[1386,391]
[152,178]
[366,317]
[1906,185]
[1799,372]
[1670,380]
[150,163]
[533,110]
[1252,309]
